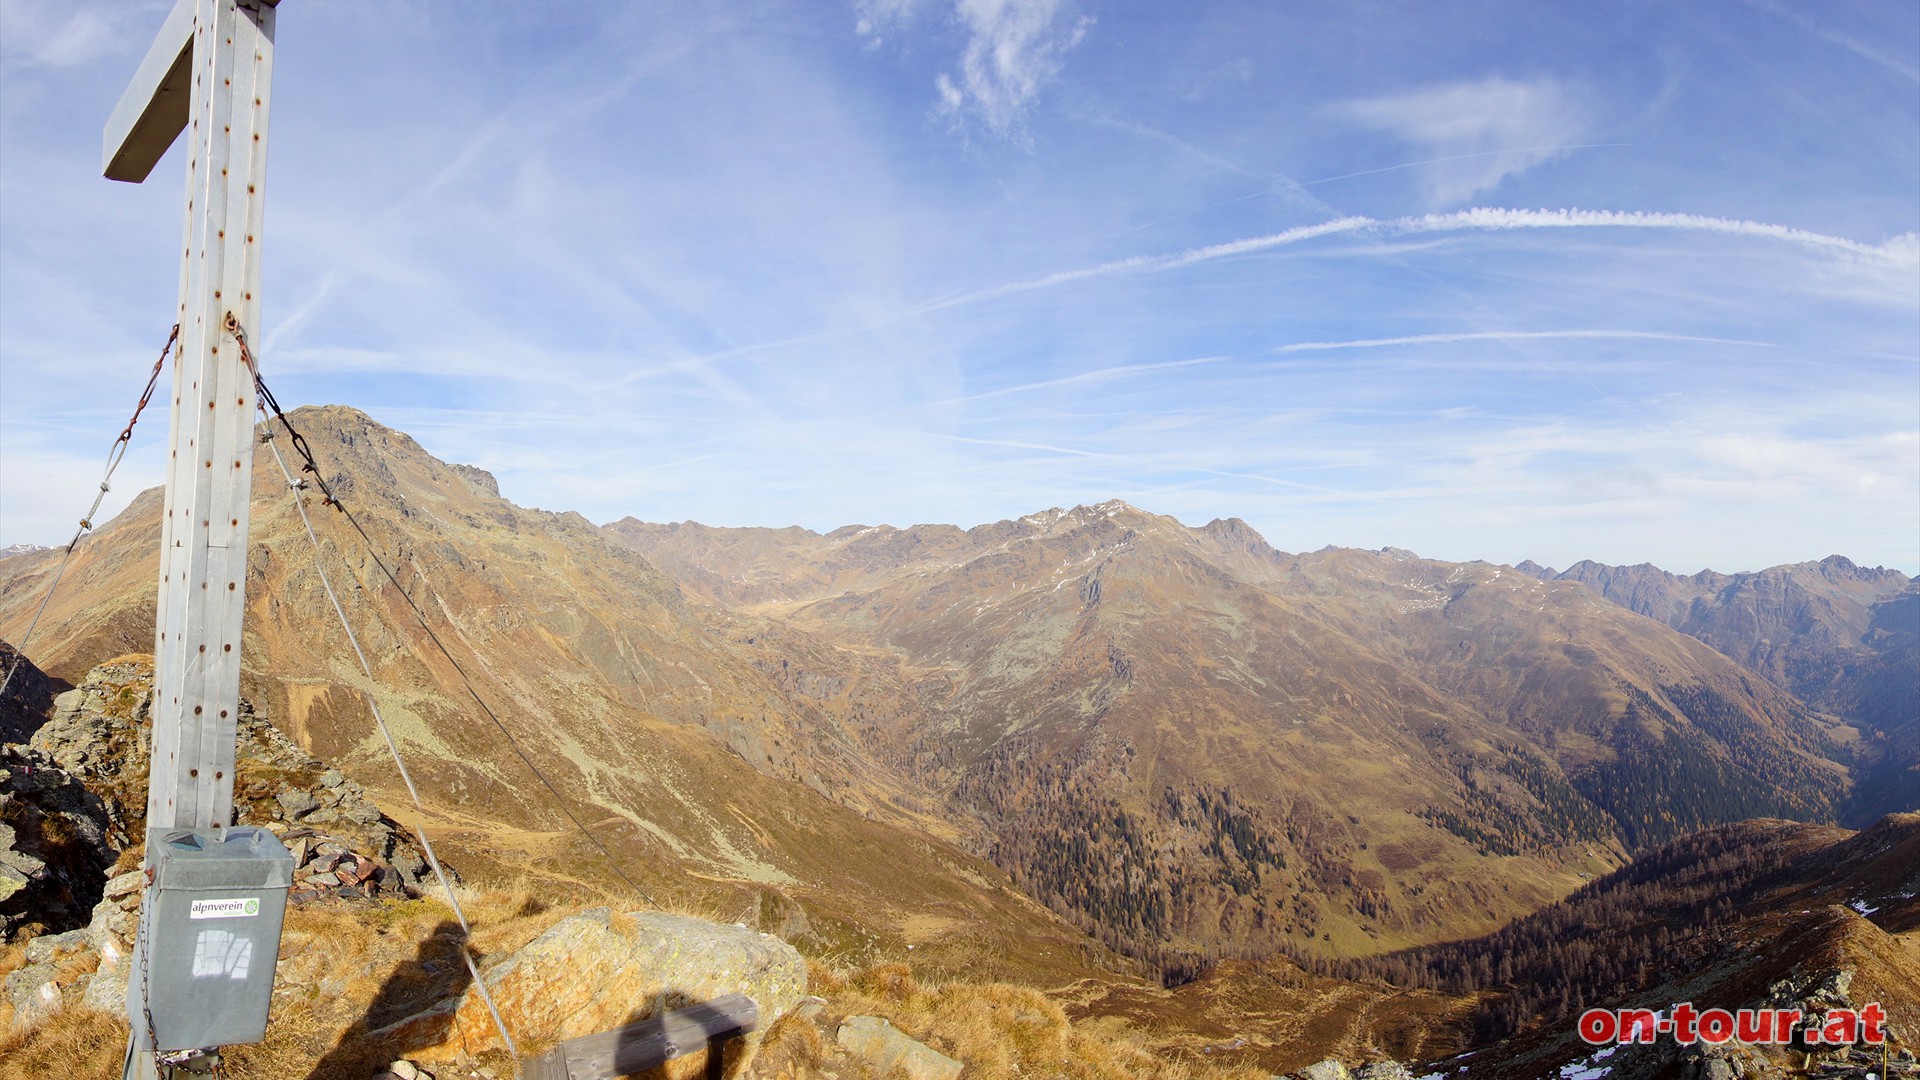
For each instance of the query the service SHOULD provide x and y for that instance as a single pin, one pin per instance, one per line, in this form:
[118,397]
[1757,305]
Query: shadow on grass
[435,975]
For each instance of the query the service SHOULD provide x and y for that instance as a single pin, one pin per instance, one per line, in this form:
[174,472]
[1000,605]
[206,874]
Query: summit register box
[211,926]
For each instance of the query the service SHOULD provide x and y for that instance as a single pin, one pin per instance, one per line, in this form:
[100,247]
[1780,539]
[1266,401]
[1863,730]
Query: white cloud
[1891,61]
[1506,335]
[1900,250]
[874,19]
[1102,375]
[1014,47]
[1476,134]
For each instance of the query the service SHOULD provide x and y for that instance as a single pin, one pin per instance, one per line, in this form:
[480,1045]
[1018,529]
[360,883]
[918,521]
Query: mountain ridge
[1073,652]
[668,737]
[1181,740]
[1842,637]
[1175,742]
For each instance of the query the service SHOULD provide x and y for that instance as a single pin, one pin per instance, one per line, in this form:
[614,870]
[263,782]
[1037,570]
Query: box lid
[239,858]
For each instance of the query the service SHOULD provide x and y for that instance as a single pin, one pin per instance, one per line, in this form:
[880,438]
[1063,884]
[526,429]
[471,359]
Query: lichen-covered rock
[296,801]
[1326,1070]
[597,970]
[34,992]
[17,868]
[887,1050]
[100,731]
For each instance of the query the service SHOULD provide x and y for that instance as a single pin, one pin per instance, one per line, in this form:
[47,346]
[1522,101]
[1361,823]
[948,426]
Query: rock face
[888,1051]
[598,970]
[57,840]
[1384,1070]
[86,967]
[1845,638]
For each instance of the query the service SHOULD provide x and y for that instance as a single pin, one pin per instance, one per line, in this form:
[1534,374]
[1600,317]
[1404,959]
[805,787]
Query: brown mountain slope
[705,777]
[1192,742]
[1749,914]
[1760,913]
[1845,638]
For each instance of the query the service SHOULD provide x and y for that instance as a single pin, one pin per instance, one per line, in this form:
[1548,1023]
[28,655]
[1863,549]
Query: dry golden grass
[12,959]
[343,969]
[74,1043]
[346,971]
[1001,1031]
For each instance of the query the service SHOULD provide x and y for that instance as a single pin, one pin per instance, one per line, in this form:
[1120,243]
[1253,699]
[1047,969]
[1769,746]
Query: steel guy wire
[309,465]
[115,454]
[393,748]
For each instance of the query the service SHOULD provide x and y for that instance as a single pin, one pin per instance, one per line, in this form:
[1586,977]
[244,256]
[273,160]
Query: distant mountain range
[1178,740]
[1844,638]
[1194,744]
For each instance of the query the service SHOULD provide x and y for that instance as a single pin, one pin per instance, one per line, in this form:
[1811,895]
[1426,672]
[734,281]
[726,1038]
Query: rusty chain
[271,408]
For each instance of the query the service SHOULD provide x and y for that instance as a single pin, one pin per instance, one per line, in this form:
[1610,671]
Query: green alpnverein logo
[236,908]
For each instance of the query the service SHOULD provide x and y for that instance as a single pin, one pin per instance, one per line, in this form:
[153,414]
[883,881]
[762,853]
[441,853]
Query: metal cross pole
[208,942]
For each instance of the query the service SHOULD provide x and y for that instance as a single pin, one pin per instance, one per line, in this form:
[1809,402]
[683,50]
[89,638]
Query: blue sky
[1623,281]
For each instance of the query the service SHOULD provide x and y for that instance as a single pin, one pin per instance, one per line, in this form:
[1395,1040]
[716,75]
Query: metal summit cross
[202,970]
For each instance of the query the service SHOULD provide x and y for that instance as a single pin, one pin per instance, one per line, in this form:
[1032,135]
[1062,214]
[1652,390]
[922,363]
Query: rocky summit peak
[1055,519]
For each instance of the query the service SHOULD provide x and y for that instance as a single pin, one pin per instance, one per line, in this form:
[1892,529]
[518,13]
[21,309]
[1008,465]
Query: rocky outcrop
[343,845]
[888,1051]
[85,967]
[598,970]
[1332,1069]
[74,799]
[35,991]
[98,733]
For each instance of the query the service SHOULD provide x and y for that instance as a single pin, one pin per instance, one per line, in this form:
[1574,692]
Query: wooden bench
[649,1044]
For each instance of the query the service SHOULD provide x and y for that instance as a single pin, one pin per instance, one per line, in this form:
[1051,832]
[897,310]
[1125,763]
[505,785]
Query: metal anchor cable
[294,487]
[309,465]
[115,454]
